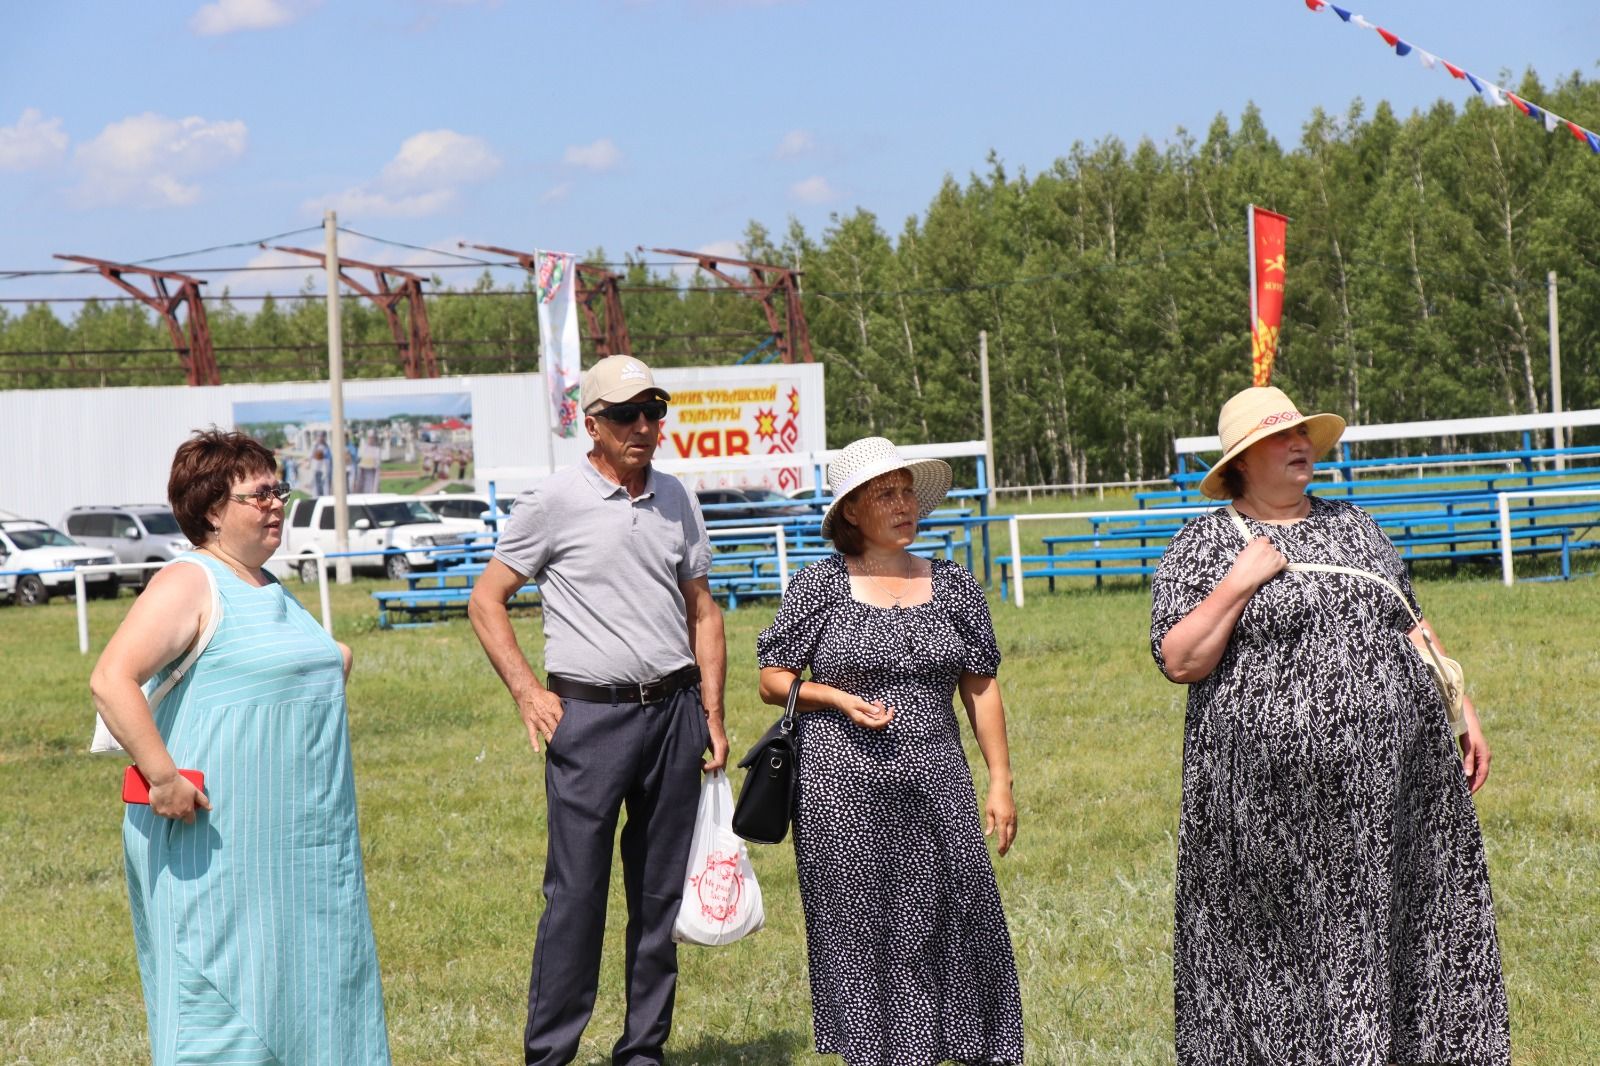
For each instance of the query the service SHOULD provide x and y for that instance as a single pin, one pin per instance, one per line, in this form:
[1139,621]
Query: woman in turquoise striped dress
[249,899]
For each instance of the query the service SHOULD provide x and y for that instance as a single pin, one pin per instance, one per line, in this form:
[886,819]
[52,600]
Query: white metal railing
[1447,427]
[1502,502]
[1013,524]
[81,591]
[1097,487]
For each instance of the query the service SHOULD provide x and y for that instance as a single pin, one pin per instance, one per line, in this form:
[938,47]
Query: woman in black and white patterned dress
[909,955]
[1333,900]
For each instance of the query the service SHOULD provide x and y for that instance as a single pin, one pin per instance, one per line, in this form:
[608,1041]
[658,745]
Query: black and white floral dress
[1333,901]
[908,951]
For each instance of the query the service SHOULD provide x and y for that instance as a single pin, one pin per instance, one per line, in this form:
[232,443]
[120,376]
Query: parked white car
[30,545]
[379,521]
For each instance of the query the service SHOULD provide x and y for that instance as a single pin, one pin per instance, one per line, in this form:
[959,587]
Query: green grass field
[453,821]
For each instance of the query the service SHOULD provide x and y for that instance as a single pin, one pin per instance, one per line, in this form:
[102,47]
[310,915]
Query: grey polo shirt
[608,569]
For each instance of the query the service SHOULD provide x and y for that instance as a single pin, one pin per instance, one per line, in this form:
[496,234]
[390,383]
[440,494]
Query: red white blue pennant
[1492,94]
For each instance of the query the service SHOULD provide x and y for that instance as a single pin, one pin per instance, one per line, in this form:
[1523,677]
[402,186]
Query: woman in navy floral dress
[909,956]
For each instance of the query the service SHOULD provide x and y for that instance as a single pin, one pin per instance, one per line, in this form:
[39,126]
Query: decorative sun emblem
[766,424]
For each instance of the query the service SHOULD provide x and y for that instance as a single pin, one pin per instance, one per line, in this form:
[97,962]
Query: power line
[1159,258]
[226,247]
[400,244]
[308,268]
[530,344]
[6,275]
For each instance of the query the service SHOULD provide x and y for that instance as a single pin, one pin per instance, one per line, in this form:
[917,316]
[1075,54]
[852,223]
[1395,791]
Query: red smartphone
[136,787]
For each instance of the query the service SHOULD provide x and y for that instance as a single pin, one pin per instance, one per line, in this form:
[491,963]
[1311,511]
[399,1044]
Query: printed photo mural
[413,444]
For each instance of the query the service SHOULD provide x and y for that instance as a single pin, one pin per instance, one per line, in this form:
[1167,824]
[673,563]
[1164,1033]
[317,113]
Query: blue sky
[130,131]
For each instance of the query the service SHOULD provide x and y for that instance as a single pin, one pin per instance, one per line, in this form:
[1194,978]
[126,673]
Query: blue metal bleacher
[1452,517]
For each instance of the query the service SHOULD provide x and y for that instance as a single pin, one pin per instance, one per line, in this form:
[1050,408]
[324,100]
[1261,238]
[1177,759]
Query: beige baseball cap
[617,378]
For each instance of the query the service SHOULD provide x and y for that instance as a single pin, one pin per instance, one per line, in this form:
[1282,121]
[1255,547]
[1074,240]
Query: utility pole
[341,506]
[988,414]
[414,337]
[1557,434]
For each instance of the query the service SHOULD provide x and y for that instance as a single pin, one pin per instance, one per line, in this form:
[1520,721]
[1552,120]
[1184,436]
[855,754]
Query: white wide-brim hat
[872,457]
[1260,412]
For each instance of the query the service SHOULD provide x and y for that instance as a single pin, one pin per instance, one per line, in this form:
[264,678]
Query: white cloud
[363,200]
[34,141]
[259,279]
[796,143]
[717,250]
[710,6]
[722,249]
[280,282]
[601,155]
[813,191]
[423,178]
[231,16]
[556,194]
[148,159]
[436,158]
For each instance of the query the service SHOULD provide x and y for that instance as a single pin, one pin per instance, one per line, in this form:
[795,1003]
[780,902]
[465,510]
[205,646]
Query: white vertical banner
[558,339]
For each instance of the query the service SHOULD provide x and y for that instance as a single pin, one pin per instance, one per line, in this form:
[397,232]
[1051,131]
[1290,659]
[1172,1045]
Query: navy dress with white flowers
[909,955]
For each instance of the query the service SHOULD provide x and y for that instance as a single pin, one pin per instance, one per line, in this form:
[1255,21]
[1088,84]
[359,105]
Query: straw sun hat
[1260,412]
[872,457]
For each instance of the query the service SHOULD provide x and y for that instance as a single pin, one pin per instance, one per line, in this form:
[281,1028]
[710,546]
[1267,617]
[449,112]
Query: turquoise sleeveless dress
[254,939]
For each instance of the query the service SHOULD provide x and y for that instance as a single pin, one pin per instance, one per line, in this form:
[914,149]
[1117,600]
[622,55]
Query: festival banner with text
[728,419]
[1269,233]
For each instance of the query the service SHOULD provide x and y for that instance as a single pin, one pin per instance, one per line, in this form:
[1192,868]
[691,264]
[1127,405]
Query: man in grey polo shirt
[635,660]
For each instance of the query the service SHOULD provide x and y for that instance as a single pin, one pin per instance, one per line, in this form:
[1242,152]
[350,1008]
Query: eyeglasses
[626,414]
[264,498]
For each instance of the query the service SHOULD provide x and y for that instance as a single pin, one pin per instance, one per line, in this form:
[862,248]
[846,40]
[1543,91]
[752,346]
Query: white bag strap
[1328,568]
[179,671]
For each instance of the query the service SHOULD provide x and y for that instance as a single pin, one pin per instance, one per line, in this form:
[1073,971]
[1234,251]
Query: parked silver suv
[134,533]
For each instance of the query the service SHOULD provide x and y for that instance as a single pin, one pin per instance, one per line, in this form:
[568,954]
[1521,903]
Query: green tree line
[1113,287]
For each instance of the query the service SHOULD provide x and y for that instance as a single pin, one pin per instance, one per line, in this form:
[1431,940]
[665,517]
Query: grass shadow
[774,1049]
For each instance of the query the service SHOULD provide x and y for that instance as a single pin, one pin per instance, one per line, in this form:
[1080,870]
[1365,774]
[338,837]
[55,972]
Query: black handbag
[766,799]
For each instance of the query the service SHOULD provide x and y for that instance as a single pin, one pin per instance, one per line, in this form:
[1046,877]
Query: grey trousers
[603,758]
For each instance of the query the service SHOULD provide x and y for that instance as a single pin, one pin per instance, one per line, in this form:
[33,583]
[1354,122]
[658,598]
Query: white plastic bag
[721,900]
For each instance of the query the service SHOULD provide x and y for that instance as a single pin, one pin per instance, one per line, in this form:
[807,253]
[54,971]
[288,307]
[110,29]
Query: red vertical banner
[1268,240]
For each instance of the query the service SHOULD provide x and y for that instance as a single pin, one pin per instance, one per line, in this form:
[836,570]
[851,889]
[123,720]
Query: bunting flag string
[1492,94]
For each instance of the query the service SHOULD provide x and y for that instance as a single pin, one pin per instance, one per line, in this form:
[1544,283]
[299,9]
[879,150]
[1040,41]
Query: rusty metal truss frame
[414,338]
[192,338]
[768,285]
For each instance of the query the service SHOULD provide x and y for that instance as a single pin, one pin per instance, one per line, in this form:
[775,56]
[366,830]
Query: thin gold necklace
[879,585]
[230,564]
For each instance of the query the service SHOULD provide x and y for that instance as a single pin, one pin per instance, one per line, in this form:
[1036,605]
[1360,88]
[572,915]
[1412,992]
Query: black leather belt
[643,692]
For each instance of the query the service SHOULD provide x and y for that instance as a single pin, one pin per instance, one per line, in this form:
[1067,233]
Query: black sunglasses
[626,414]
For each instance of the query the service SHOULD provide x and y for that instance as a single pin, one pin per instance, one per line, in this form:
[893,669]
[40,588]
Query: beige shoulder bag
[1447,673]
